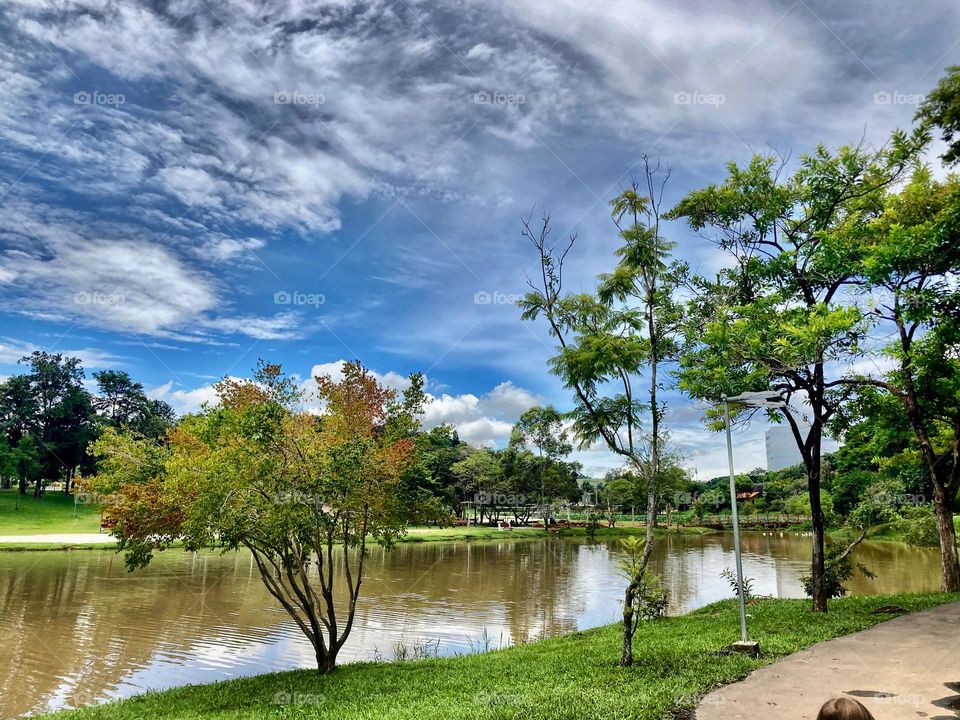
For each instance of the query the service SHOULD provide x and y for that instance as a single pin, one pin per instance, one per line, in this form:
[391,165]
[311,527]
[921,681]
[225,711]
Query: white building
[782,451]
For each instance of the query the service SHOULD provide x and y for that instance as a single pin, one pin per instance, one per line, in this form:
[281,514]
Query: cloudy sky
[186,186]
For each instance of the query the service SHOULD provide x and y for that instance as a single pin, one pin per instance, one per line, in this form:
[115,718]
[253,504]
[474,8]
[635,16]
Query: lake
[77,628]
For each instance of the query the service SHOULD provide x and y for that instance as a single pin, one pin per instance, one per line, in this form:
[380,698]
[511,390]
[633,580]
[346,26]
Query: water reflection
[79,629]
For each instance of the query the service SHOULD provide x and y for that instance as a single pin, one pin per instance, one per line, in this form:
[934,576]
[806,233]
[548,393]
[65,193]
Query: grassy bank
[573,676]
[53,513]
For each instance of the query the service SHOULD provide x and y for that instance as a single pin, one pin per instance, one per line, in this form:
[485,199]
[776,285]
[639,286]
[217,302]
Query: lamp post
[758,400]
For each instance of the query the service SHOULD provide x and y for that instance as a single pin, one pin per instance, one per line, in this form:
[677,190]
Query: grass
[53,513]
[572,676]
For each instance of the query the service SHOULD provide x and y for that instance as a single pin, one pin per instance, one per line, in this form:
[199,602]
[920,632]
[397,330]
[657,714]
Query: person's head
[842,708]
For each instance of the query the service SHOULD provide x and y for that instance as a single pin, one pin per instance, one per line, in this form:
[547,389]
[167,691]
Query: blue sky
[186,186]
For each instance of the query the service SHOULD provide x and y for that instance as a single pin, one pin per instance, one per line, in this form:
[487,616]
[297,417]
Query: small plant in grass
[644,598]
[731,578]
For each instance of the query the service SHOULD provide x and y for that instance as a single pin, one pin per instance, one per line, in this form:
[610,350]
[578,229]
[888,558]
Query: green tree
[480,480]
[779,318]
[612,341]
[542,428]
[912,271]
[303,493]
[122,402]
[942,109]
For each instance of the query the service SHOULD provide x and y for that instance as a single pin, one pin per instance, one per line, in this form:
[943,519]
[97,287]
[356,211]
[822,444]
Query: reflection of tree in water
[540,578]
[74,630]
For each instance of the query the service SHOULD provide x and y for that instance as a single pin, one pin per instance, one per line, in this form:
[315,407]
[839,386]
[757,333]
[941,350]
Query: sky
[188,186]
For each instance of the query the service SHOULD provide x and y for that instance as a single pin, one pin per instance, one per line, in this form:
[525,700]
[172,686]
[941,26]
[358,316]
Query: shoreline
[678,660]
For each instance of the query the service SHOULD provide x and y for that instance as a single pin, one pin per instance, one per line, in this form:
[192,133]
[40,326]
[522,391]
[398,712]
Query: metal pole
[736,525]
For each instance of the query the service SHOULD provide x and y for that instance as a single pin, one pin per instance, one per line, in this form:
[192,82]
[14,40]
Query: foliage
[839,567]
[731,577]
[303,493]
[918,526]
[777,319]
[942,109]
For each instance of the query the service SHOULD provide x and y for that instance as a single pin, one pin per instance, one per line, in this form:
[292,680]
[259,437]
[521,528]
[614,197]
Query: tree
[479,478]
[62,413]
[303,493]
[942,109]
[611,341]
[124,403]
[542,428]
[912,268]
[780,318]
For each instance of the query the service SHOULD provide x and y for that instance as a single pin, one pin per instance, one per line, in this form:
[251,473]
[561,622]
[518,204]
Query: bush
[838,571]
[919,526]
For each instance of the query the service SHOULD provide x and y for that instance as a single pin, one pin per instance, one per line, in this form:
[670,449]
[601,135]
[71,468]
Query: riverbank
[94,541]
[571,676]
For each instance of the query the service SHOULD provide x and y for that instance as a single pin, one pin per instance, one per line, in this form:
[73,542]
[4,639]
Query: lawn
[53,513]
[573,676]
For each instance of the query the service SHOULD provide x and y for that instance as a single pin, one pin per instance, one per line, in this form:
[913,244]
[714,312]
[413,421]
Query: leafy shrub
[919,526]
[838,570]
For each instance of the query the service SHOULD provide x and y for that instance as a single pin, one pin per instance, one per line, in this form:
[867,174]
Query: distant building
[782,451]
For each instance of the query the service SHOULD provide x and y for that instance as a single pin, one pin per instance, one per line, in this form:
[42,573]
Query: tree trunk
[38,489]
[817,570]
[949,562]
[5,483]
[626,656]
[326,661]
[22,485]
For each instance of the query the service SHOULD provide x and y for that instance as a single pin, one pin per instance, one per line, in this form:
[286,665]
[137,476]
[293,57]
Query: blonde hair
[842,708]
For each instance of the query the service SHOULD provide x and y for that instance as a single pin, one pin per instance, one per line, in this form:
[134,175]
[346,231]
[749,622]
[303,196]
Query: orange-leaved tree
[303,492]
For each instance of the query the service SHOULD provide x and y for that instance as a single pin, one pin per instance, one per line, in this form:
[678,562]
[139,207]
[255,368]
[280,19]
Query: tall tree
[541,428]
[913,270]
[780,318]
[62,413]
[609,342]
[124,403]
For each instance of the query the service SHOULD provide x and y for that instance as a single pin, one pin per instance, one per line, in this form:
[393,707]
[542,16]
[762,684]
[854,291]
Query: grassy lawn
[53,513]
[573,676]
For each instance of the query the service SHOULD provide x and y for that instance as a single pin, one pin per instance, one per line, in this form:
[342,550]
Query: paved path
[62,539]
[908,667]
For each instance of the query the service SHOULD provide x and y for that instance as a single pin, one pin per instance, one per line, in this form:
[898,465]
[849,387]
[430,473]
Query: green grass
[53,513]
[573,676]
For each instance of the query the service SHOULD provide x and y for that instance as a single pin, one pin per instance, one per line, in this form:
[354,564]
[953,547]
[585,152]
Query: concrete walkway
[61,539]
[908,667]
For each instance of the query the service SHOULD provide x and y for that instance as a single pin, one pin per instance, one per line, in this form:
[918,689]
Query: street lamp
[764,399]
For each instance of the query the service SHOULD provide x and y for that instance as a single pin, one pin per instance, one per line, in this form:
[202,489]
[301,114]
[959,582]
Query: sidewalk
[61,539]
[908,667]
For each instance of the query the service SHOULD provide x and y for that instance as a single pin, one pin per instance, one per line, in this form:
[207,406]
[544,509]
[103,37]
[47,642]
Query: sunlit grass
[573,676]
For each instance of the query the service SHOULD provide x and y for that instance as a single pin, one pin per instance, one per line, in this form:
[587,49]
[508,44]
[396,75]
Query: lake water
[76,628]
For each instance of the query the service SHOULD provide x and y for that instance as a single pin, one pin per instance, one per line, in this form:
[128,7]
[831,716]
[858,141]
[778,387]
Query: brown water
[76,628]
